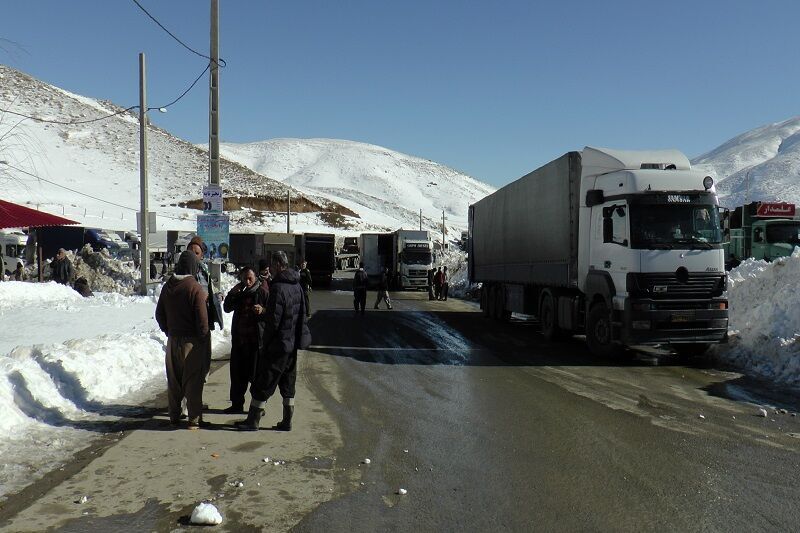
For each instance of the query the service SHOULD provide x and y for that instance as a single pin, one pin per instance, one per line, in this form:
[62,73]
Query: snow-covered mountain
[383,186]
[89,172]
[765,160]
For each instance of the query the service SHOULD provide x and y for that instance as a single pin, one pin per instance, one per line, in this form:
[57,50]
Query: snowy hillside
[768,157]
[101,159]
[381,185]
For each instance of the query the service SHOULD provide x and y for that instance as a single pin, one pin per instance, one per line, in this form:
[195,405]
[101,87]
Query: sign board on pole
[151,222]
[215,232]
[781,210]
[212,198]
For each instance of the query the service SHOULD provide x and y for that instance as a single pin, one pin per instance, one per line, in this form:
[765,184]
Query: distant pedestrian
[264,275]
[360,283]
[305,284]
[247,332]
[182,314]
[437,283]
[19,273]
[285,332]
[153,271]
[383,289]
[445,284]
[61,268]
[82,286]
[431,274]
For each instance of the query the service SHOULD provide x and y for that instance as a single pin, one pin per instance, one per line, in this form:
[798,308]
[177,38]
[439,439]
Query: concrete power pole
[288,210]
[213,108]
[444,232]
[420,219]
[144,250]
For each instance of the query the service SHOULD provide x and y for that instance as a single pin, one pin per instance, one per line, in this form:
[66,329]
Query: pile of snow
[71,366]
[206,514]
[764,331]
[455,259]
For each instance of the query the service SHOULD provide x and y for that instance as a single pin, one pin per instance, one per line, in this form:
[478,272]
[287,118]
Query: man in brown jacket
[181,313]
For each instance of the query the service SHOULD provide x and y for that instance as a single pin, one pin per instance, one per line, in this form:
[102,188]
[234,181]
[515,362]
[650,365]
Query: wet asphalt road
[490,428]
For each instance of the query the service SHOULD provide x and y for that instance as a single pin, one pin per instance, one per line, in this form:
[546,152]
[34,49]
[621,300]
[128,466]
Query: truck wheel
[548,319]
[488,294]
[598,332]
[688,351]
[500,305]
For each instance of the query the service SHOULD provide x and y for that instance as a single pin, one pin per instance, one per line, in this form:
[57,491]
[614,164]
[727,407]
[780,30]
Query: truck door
[610,241]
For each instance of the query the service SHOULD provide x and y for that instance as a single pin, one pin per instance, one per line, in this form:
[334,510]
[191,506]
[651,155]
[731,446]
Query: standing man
[181,313]
[284,333]
[61,268]
[213,307]
[445,284]
[360,282]
[247,333]
[305,284]
[431,273]
[383,289]
[264,276]
[437,283]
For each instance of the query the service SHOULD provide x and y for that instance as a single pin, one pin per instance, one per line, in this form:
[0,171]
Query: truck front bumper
[414,283]
[649,322]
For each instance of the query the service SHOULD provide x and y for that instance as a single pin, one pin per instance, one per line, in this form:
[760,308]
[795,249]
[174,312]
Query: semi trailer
[606,243]
[406,253]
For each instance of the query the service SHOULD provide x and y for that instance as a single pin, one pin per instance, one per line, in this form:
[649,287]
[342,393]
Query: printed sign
[215,232]
[781,210]
[212,198]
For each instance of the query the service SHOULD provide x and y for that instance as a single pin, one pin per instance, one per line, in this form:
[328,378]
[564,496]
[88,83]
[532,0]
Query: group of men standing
[438,284]
[269,326]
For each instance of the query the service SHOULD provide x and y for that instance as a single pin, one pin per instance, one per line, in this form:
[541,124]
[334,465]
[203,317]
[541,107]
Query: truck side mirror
[757,235]
[608,230]
[594,197]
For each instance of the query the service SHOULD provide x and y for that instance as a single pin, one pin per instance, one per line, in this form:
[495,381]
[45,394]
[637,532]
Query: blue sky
[494,89]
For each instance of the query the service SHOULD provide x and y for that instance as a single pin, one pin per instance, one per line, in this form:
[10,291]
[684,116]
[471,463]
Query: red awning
[17,216]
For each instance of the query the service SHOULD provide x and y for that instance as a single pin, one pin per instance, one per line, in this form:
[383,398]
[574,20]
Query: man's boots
[252,421]
[286,423]
[234,409]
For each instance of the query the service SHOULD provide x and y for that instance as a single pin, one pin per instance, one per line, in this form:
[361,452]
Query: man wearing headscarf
[182,314]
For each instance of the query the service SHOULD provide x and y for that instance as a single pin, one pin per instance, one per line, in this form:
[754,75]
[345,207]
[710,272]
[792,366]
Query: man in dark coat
[285,331]
[437,283]
[181,313]
[246,332]
[61,268]
[305,284]
[445,285]
[383,289]
[431,273]
[360,282]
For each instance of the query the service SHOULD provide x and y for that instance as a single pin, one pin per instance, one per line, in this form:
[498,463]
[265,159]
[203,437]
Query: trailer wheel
[500,305]
[548,319]
[485,300]
[598,332]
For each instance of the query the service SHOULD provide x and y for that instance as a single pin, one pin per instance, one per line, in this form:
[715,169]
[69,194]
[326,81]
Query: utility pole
[144,249]
[213,108]
[444,232]
[288,209]
[420,219]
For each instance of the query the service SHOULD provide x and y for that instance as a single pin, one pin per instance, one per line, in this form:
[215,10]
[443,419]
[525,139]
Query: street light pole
[144,249]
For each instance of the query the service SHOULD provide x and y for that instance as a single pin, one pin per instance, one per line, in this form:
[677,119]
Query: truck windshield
[416,258]
[674,226]
[784,232]
[15,250]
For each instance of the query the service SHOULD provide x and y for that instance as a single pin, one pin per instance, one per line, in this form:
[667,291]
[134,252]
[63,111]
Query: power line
[105,117]
[87,195]
[221,61]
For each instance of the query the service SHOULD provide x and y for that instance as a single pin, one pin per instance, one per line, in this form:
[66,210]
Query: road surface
[486,426]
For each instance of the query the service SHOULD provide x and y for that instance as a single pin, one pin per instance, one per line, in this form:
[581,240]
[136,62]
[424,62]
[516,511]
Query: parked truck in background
[319,251]
[762,230]
[606,243]
[347,257]
[12,248]
[406,253]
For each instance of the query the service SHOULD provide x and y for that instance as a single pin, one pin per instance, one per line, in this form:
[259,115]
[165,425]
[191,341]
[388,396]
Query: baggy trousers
[383,295]
[274,370]
[307,302]
[243,370]
[185,362]
[360,299]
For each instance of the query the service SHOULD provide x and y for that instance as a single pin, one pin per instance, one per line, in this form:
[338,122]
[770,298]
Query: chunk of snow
[367,461]
[206,514]
[762,412]
[402,492]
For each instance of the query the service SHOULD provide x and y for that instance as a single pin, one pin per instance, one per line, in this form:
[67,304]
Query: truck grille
[665,286]
[418,273]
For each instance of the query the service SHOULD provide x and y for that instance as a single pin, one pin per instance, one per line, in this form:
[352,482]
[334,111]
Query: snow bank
[455,259]
[764,334]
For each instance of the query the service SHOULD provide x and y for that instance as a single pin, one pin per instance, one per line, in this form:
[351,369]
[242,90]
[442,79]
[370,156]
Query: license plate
[682,317]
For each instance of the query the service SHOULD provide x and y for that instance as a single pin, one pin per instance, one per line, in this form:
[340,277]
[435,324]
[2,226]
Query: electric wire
[220,62]
[87,195]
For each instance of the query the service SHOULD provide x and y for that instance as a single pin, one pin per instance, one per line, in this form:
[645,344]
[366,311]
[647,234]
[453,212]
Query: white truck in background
[12,245]
[406,253]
